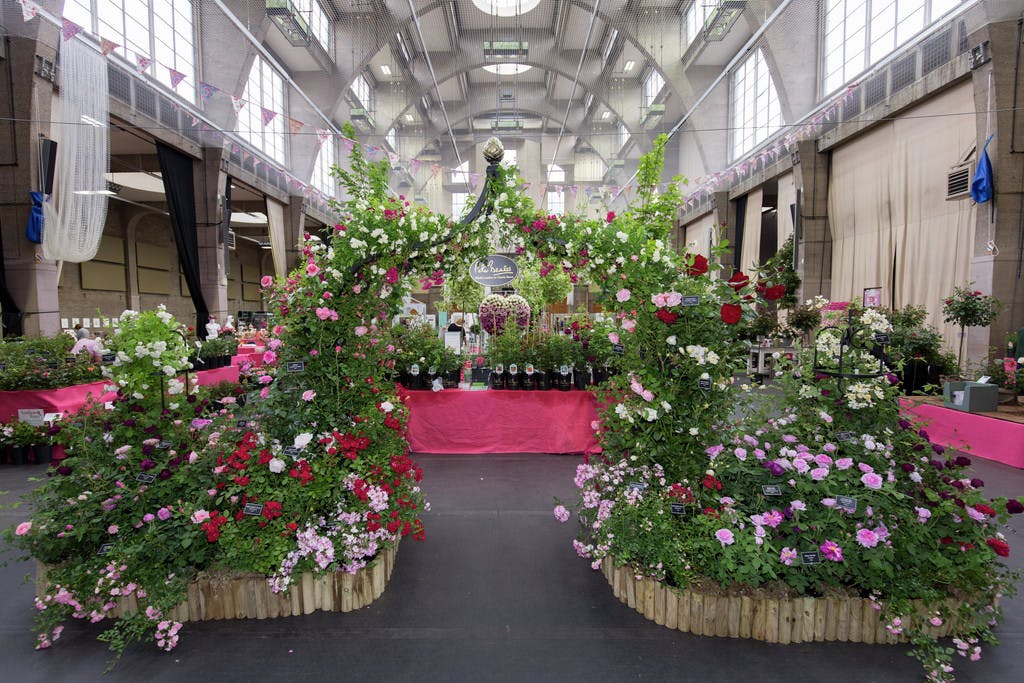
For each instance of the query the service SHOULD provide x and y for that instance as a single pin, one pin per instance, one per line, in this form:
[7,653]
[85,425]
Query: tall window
[652,86]
[361,89]
[459,204]
[860,33]
[265,88]
[322,179]
[756,113]
[556,199]
[511,158]
[319,26]
[461,174]
[161,30]
[623,135]
[392,139]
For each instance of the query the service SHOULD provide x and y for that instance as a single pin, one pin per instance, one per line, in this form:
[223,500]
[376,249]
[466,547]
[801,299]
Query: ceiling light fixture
[629,66]
[92,122]
[385,69]
[410,118]
[507,69]
[605,115]
[505,8]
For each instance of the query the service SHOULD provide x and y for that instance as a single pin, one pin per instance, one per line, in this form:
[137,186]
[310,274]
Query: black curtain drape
[176,170]
[225,225]
[12,315]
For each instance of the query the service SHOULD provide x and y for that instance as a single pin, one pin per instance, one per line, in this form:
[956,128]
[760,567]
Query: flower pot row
[37,454]
[759,615]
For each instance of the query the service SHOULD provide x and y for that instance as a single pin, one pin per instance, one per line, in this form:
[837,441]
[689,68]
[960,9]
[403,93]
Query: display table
[988,437]
[454,421]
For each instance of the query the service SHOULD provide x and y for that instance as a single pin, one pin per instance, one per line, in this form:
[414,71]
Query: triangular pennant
[414,166]
[573,189]
[29,10]
[205,91]
[527,186]
[294,125]
[176,77]
[235,149]
[238,103]
[256,161]
[107,46]
[267,115]
[347,144]
[435,170]
[322,135]
[371,151]
[474,180]
[69,29]
[558,189]
[142,63]
[393,159]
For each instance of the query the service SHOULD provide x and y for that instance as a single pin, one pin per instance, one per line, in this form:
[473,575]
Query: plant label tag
[78,425]
[70,360]
[529,369]
[293,452]
[704,383]
[513,369]
[809,557]
[499,368]
[846,503]
[332,525]
[145,478]
[771,490]
[252,509]
[242,424]
[105,548]
[563,370]
[691,300]
[619,349]
[108,358]
[50,418]
[845,436]
[32,416]
[51,364]
[296,366]
[431,370]
[164,445]
[678,508]
[415,369]
[638,486]
[881,338]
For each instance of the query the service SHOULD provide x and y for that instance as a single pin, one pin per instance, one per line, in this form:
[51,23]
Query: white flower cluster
[863,394]
[701,354]
[875,321]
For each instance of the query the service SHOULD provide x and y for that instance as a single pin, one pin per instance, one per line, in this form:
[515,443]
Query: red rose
[271,509]
[981,507]
[610,217]
[774,292]
[731,313]
[738,280]
[699,267]
[711,483]
[999,547]
[1014,506]
[242,481]
[667,317]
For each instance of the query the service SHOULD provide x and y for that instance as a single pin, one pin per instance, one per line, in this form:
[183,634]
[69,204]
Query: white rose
[276,465]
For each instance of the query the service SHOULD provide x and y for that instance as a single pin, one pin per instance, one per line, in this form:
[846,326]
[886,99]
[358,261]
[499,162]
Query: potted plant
[23,437]
[967,307]
[561,360]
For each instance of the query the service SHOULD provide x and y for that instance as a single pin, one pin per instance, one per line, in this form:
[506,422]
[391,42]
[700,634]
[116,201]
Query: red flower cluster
[999,547]
[271,509]
[681,493]
[711,483]
[213,524]
[699,267]
[985,509]
[731,313]
[739,280]
[667,317]
[302,471]
[348,444]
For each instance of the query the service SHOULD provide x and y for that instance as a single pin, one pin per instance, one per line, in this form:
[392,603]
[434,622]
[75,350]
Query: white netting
[75,216]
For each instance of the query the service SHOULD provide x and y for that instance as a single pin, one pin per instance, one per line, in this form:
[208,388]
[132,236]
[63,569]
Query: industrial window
[756,113]
[264,88]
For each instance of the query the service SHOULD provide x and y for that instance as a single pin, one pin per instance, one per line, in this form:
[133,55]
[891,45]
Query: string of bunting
[699,188]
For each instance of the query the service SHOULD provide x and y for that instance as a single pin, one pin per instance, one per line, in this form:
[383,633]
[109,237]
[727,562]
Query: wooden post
[868,621]
[671,608]
[683,607]
[843,620]
[659,603]
[746,616]
[649,586]
[757,628]
[771,621]
[630,588]
[831,618]
[697,614]
[733,628]
[785,621]
[856,610]
[711,603]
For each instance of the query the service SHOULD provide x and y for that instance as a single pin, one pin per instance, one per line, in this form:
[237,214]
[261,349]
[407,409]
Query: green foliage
[541,291]
[970,308]
[461,293]
[44,363]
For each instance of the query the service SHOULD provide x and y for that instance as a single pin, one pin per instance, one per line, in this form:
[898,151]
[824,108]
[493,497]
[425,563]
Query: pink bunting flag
[348,144]
[176,77]
[294,125]
[69,29]
[371,151]
[435,170]
[267,115]
[29,10]
[414,165]
[542,189]
[573,189]
[474,180]
[206,91]
[393,159]
[237,103]
[235,149]
[107,46]
[322,135]
[142,63]
[256,161]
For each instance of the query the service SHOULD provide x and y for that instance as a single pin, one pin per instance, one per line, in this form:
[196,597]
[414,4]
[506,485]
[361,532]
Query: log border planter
[783,621]
[248,596]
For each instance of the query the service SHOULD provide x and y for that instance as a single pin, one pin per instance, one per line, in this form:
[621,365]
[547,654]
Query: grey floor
[494,593]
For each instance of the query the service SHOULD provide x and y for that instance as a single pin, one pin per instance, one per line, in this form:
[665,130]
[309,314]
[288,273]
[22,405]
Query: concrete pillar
[999,272]
[32,281]
[810,174]
[294,226]
[209,192]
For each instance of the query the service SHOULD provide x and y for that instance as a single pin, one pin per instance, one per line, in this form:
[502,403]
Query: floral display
[967,307]
[496,310]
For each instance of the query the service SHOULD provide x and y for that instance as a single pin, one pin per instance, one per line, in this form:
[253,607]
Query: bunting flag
[557,189]
[414,166]
[176,77]
[142,63]
[69,29]
[206,91]
[294,125]
[573,189]
[267,115]
[29,10]
[542,189]
[347,144]
[256,161]
[371,152]
[322,136]
[237,103]
[393,159]
[435,170]
[107,46]
[527,186]
[235,149]
[474,180]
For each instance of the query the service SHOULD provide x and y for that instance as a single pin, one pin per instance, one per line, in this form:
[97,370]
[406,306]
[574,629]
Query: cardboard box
[970,397]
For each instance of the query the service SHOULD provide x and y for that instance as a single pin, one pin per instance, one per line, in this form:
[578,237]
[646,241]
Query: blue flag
[981,185]
[34,229]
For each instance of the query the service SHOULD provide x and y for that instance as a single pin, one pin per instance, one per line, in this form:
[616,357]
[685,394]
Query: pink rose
[269,357]
[613,338]
[308,395]
[312,269]
[628,324]
[622,295]
[163,514]
[266,281]
[361,330]
[660,300]
[23,529]
[673,299]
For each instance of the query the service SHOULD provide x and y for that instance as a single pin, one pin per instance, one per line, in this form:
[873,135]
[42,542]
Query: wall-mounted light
[385,69]
[629,66]
[722,18]
[286,17]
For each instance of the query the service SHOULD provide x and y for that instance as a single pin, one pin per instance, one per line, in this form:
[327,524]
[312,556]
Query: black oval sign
[494,270]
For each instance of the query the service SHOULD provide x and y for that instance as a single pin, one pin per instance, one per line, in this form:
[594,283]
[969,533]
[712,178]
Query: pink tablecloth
[453,421]
[988,437]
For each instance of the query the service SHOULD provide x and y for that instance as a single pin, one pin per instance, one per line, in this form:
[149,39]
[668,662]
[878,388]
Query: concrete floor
[495,593]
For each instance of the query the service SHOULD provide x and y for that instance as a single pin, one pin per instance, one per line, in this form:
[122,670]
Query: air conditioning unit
[231,241]
[958,181]
[362,118]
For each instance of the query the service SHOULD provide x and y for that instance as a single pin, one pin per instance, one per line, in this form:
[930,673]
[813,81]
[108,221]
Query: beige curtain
[750,248]
[787,196]
[699,235]
[860,215]
[933,238]
[275,226]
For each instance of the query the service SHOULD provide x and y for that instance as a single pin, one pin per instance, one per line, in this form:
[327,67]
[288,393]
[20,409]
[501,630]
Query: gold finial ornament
[493,151]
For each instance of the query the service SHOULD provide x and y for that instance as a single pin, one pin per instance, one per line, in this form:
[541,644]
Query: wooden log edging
[759,617]
[248,596]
